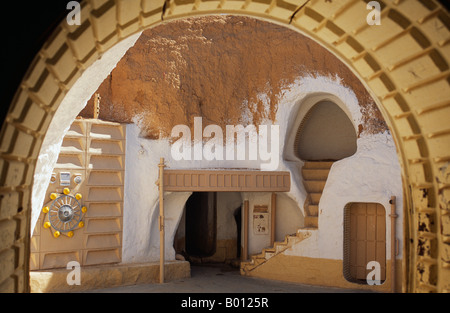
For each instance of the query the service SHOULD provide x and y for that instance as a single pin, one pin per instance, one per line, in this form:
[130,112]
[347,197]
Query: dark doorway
[238,219]
[201,224]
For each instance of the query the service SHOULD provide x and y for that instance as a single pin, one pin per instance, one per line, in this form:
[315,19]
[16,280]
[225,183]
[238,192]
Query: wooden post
[273,218]
[245,222]
[393,216]
[97,99]
[161,221]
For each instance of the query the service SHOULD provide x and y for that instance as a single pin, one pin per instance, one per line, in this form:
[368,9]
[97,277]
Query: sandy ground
[220,278]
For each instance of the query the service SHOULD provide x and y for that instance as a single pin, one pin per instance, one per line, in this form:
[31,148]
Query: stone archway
[404,63]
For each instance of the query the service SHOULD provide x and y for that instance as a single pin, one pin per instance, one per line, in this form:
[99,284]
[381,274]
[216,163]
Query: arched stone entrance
[403,62]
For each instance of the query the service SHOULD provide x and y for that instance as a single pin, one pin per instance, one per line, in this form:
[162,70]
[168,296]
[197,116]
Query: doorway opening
[209,231]
[238,219]
[201,224]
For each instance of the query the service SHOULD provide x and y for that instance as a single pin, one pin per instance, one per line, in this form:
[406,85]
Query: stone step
[314,186]
[267,253]
[311,221]
[314,197]
[269,250]
[309,228]
[315,174]
[318,164]
[312,209]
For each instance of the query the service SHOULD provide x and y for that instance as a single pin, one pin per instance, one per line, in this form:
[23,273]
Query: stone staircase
[267,253]
[314,175]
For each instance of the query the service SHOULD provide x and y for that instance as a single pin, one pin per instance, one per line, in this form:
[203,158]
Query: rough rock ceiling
[216,67]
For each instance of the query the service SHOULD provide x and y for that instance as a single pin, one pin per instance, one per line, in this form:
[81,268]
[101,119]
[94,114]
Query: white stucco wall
[371,176]
[227,203]
[288,217]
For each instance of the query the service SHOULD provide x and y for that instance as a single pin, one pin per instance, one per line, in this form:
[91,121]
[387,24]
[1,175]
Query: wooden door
[366,236]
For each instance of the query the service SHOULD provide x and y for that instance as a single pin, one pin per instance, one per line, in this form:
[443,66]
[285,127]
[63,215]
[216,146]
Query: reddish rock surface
[215,67]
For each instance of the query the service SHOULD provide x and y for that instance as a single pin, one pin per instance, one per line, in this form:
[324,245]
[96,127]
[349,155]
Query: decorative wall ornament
[65,213]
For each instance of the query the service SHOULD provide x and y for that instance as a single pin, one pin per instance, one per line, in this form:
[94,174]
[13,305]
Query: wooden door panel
[366,236]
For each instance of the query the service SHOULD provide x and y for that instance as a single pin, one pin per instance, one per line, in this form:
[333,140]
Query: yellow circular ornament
[47,225]
[53,196]
[66,191]
[46,209]
[57,234]
[84,209]
[70,234]
[81,224]
[78,196]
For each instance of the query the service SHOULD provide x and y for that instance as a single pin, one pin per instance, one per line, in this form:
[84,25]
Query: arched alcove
[325,133]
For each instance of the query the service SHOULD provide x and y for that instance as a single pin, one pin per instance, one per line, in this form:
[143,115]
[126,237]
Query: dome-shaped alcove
[325,134]
[321,128]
